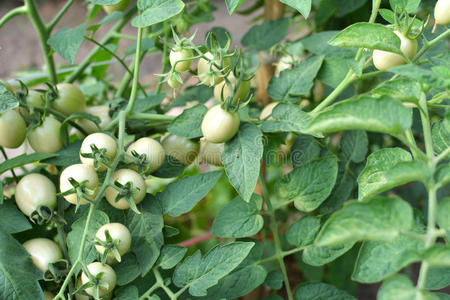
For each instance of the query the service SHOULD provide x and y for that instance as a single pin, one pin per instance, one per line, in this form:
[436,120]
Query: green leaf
[66,156]
[189,123]
[170,256]
[274,280]
[239,218]
[334,70]
[130,292]
[319,256]
[127,270]
[105,2]
[441,137]
[200,93]
[18,275]
[241,159]
[305,149]
[438,256]
[320,290]
[349,7]
[181,196]
[438,278]
[403,89]
[11,219]
[146,44]
[201,273]
[318,44]
[67,42]
[146,232]
[442,175]
[419,74]
[354,146]
[232,5]
[170,168]
[310,184]
[303,231]
[383,115]
[295,82]
[156,11]
[22,160]
[443,214]
[287,118]
[409,5]
[7,99]
[400,287]
[368,35]
[144,104]
[262,37]
[379,219]
[303,6]
[388,168]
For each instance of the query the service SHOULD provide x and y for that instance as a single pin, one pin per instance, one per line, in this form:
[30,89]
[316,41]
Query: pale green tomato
[384,60]
[121,6]
[101,111]
[173,82]
[219,125]
[35,99]
[80,173]
[13,129]
[211,153]
[442,12]
[35,190]
[178,55]
[241,93]
[153,151]
[70,99]
[43,252]
[48,296]
[124,176]
[119,233]
[267,111]
[46,138]
[181,148]
[286,62]
[203,69]
[108,276]
[100,140]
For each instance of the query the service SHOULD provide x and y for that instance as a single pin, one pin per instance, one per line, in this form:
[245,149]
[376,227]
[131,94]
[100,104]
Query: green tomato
[13,129]
[383,60]
[211,153]
[181,148]
[101,141]
[119,233]
[108,276]
[241,93]
[35,99]
[173,82]
[203,69]
[176,55]
[82,174]
[46,138]
[182,25]
[70,99]
[35,190]
[101,111]
[286,62]
[219,125]
[153,151]
[121,6]
[124,176]
[48,296]
[43,252]
[442,12]
[267,110]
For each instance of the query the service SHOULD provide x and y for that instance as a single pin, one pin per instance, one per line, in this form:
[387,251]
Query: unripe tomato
[267,110]
[43,252]
[101,111]
[442,12]
[35,190]
[119,233]
[48,296]
[70,99]
[153,151]
[124,176]
[182,25]
[383,60]
[176,55]
[241,93]
[121,6]
[108,276]
[286,62]
[173,82]
[7,85]
[35,99]
[46,138]
[82,174]
[13,129]
[219,125]
[211,153]
[100,140]
[181,148]
[203,69]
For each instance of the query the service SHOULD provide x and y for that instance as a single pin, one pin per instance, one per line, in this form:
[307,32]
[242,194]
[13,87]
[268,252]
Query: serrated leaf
[303,231]
[67,42]
[181,196]
[262,37]
[383,114]
[316,291]
[7,99]
[287,118]
[170,256]
[310,184]
[11,219]
[189,123]
[156,11]
[388,168]
[420,74]
[379,219]
[441,137]
[368,35]
[241,158]
[201,273]
[319,256]
[302,6]
[239,218]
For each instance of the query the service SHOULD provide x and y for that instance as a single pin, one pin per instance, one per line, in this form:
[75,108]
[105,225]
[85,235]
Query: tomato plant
[302,151]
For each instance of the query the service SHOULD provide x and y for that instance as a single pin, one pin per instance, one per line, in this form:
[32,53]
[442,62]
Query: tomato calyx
[140,161]
[81,190]
[96,283]
[126,191]
[57,271]
[411,28]
[111,247]
[98,155]
[46,215]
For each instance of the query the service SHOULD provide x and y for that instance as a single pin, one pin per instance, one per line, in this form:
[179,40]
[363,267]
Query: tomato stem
[165,60]
[137,63]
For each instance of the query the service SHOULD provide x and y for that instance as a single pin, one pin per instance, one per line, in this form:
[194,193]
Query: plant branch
[137,63]
[12,170]
[21,10]
[60,14]
[165,59]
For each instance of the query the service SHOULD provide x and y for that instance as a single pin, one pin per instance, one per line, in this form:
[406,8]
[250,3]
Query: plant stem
[12,170]
[428,45]
[426,127]
[276,238]
[160,281]
[336,92]
[21,10]
[165,59]
[60,14]
[137,62]
[43,36]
